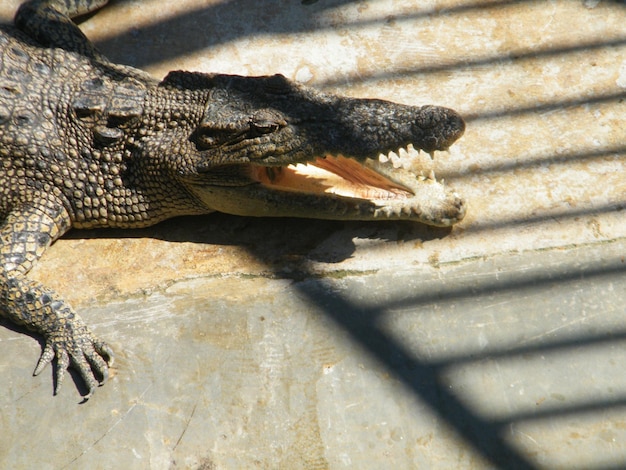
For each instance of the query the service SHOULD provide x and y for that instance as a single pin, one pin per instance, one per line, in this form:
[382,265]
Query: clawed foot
[76,346]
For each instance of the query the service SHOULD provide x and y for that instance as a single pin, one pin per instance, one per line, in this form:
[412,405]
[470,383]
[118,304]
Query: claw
[100,358]
[90,360]
[63,362]
[81,364]
[103,350]
[46,357]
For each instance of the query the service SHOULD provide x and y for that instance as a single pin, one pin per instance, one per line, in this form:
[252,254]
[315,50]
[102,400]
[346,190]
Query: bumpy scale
[86,143]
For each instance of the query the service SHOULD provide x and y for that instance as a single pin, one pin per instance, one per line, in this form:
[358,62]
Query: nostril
[457,122]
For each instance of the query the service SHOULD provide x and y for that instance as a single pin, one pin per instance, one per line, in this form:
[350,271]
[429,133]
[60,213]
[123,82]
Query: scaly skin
[86,143]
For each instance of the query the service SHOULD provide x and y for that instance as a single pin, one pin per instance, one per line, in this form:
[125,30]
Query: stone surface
[247,343]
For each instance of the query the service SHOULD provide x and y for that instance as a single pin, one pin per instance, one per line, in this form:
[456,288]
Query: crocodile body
[86,143]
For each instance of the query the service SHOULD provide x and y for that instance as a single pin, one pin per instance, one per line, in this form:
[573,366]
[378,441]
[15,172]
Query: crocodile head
[266,146]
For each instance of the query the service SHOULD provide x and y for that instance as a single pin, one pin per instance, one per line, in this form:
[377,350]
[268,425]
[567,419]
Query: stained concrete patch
[301,344]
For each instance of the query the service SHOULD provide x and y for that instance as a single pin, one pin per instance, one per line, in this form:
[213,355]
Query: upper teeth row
[411,160]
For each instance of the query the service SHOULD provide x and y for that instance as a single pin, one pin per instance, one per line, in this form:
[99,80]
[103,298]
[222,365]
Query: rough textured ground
[300,344]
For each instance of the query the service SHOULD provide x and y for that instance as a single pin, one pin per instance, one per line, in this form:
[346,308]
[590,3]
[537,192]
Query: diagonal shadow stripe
[477,63]
[421,378]
[298,17]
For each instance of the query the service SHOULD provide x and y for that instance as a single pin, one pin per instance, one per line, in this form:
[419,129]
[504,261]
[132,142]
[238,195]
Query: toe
[46,357]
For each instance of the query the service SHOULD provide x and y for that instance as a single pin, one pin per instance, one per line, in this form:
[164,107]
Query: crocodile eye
[264,127]
[266,121]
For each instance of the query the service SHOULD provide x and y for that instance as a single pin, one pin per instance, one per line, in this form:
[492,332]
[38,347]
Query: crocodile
[86,143]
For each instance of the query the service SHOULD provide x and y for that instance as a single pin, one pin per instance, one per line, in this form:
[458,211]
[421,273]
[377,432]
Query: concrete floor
[294,344]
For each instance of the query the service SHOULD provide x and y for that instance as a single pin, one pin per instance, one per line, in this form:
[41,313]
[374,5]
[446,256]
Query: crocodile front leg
[49,21]
[27,231]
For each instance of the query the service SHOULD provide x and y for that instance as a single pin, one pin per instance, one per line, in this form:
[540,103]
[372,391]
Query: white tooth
[411,151]
[431,175]
[432,155]
[405,158]
[382,158]
[421,178]
[395,159]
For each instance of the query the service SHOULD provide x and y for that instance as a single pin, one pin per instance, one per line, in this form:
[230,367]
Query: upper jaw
[429,128]
[370,127]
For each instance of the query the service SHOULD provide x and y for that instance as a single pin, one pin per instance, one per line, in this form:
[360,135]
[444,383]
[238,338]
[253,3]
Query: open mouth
[395,186]
[346,177]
